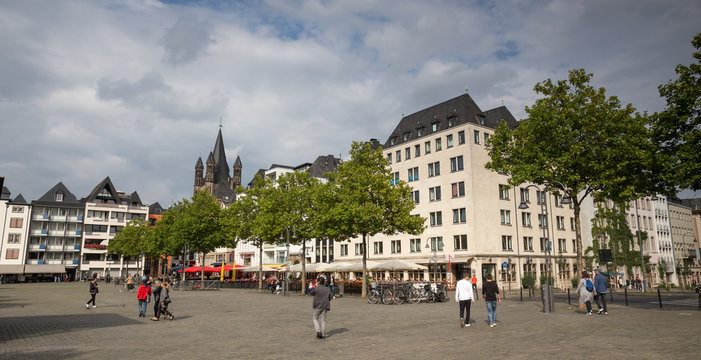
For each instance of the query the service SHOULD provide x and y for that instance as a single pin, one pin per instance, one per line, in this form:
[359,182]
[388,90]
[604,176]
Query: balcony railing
[95,246]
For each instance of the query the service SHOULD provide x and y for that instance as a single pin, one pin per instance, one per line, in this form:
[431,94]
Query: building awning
[456,260]
[11,269]
[44,268]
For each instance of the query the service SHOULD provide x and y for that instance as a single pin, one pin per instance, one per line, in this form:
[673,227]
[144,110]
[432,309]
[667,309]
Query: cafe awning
[11,269]
[44,269]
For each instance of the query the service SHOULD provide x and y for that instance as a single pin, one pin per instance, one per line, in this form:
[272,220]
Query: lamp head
[523,205]
[566,199]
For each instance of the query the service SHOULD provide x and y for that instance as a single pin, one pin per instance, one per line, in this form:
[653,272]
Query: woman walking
[93,291]
[165,300]
[157,289]
[586,291]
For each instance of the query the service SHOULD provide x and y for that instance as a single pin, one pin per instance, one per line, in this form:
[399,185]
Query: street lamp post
[434,258]
[640,242]
[287,271]
[548,296]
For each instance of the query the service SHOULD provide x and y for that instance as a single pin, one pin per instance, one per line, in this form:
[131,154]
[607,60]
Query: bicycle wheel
[430,298]
[122,289]
[373,297]
[387,297]
[415,296]
[442,297]
[398,297]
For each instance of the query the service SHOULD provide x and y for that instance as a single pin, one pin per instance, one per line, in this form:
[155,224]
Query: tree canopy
[578,136]
[677,129]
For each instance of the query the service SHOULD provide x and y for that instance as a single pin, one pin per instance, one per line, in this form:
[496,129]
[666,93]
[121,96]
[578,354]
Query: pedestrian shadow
[336,331]
[8,301]
[20,327]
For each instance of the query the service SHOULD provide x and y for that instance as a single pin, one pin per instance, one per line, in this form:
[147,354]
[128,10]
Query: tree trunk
[364,292]
[304,266]
[578,234]
[202,277]
[260,267]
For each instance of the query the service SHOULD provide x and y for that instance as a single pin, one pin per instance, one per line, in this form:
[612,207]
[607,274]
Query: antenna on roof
[220,122]
[466,89]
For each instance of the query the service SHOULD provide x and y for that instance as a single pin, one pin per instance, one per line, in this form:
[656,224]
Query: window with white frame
[506,242]
[461,137]
[407,153]
[449,141]
[414,245]
[459,216]
[14,238]
[560,222]
[525,195]
[398,156]
[503,192]
[437,243]
[415,196]
[477,137]
[542,221]
[526,219]
[527,243]
[544,244]
[417,150]
[434,193]
[434,169]
[413,174]
[17,209]
[456,163]
[436,218]
[439,145]
[486,138]
[460,242]
[377,245]
[505,217]
[389,158]
[562,245]
[359,249]
[427,147]
[458,189]
[344,249]
[396,246]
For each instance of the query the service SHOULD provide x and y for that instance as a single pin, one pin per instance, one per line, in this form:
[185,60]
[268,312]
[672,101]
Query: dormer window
[434,126]
[420,132]
[451,121]
[480,119]
[59,196]
[406,136]
[392,141]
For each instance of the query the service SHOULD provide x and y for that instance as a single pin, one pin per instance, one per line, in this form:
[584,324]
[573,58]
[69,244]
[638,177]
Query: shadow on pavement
[336,331]
[46,354]
[20,327]
[8,301]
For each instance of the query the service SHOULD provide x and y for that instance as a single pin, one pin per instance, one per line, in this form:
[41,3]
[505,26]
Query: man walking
[465,297]
[321,304]
[490,292]
[600,284]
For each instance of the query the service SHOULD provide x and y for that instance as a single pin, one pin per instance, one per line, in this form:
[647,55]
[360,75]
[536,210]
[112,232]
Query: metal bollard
[659,297]
[699,298]
[625,290]
[611,292]
[569,302]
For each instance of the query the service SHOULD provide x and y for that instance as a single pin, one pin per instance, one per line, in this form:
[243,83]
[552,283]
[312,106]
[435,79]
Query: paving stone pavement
[49,321]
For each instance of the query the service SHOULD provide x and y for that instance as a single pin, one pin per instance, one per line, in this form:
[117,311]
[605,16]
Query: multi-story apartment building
[641,217]
[14,228]
[664,239]
[683,240]
[474,223]
[55,233]
[107,211]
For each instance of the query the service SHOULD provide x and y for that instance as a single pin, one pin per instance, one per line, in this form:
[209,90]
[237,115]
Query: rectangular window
[12,254]
[528,243]
[541,196]
[415,196]
[544,244]
[414,245]
[13,238]
[572,223]
[504,192]
[542,221]
[574,245]
[436,218]
[562,245]
[477,137]
[505,217]
[427,147]
[434,169]
[449,141]
[459,216]
[458,189]
[344,249]
[389,158]
[560,222]
[434,127]
[438,144]
[378,247]
[398,156]
[413,174]
[525,195]
[461,137]
[16,223]
[417,150]
[396,246]
[407,154]
[437,243]
[486,137]
[460,242]
[359,249]
[456,164]
[395,178]
[506,242]
[434,193]
[526,219]
[17,209]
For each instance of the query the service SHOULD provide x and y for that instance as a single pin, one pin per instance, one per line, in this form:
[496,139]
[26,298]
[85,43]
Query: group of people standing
[159,290]
[593,290]
[465,296]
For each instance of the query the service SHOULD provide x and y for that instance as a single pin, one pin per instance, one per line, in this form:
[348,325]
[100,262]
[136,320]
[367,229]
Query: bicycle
[125,288]
[380,293]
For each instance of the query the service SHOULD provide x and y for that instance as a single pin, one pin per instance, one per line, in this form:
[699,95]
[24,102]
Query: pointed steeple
[237,163]
[199,165]
[221,167]
[210,158]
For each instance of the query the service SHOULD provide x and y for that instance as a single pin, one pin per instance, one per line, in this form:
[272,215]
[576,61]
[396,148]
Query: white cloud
[134,90]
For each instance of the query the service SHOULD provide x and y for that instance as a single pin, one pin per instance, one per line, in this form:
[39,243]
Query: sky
[136,90]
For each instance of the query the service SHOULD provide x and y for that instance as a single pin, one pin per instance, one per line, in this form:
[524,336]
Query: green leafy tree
[677,129]
[610,231]
[163,239]
[363,202]
[131,241]
[299,204]
[255,217]
[578,136]
[663,267]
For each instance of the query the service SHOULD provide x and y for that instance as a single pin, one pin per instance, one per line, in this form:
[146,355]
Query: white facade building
[14,228]
[664,237]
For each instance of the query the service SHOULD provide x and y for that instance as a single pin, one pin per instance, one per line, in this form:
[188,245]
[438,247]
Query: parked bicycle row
[412,292]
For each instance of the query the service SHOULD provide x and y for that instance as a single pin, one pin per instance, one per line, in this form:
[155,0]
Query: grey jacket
[584,295]
[322,297]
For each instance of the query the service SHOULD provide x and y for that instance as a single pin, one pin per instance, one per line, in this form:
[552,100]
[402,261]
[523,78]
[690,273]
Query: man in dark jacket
[600,285]
[322,303]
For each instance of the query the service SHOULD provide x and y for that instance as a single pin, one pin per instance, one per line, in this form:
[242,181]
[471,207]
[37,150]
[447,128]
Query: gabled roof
[456,111]
[95,194]
[260,172]
[134,199]
[155,209]
[324,164]
[221,167]
[19,199]
[50,196]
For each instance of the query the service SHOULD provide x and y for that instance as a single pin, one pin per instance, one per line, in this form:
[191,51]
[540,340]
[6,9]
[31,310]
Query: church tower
[236,179]
[199,177]
[216,178]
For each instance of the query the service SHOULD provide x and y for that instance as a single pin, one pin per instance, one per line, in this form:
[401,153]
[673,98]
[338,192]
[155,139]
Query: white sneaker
[491,325]
[94,306]
[87,306]
[467,325]
[600,311]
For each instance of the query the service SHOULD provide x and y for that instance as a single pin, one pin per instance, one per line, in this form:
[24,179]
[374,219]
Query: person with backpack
[600,285]
[586,291]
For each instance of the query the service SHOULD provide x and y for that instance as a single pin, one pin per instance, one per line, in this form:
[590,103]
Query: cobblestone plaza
[49,321]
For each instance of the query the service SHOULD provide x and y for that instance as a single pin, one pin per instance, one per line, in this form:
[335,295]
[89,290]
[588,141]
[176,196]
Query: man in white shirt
[464,296]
